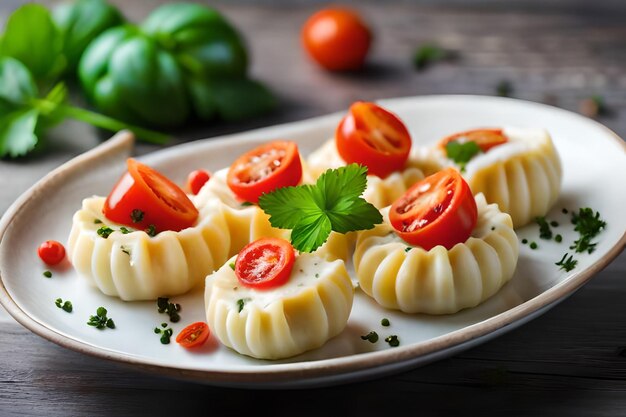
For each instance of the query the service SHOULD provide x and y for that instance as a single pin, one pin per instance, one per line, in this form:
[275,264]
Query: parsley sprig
[333,203]
[588,224]
[567,263]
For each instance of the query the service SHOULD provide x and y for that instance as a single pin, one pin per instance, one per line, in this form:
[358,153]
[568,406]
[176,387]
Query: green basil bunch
[184,61]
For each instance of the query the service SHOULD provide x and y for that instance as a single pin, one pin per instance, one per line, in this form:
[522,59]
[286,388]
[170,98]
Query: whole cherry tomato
[51,252]
[439,210]
[337,39]
[196,179]
[374,137]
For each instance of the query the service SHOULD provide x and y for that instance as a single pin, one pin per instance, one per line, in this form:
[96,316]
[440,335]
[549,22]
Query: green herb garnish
[104,231]
[524,241]
[232,265]
[558,238]
[428,54]
[333,203]
[125,230]
[246,204]
[392,340]
[47,274]
[240,303]
[588,224]
[567,263]
[504,88]
[371,337]
[165,333]
[97,221]
[65,306]
[125,250]
[544,228]
[533,245]
[462,153]
[136,216]
[172,309]
[100,320]
[384,322]
[151,231]
[408,248]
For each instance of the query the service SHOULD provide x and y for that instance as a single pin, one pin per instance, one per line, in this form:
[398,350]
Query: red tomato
[193,335]
[265,263]
[484,138]
[51,252]
[337,39]
[439,210]
[196,179]
[145,197]
[265,168]
[372,136]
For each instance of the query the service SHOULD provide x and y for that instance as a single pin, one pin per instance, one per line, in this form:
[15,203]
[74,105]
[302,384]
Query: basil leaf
[32,37]
[17,85]
[17,132]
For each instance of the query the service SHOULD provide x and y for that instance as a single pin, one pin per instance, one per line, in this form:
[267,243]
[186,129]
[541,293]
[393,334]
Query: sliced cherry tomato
[372,136]
[193,335]
[144,197]
[337,39]
[484,138]
[265,263]
[439,210]
[51,252]
[265,168]
[196,179]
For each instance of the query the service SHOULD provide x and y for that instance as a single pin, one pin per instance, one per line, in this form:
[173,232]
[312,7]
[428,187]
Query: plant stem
[108,123]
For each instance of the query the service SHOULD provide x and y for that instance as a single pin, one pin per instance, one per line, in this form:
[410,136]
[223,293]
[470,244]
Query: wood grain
[570,361]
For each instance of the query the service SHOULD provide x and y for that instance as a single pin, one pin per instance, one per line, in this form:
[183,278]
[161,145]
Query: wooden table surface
[570,361]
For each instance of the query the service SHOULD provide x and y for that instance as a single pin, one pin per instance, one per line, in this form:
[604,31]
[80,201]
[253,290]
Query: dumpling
[523,176]
[380,192]
[438,281]
[247,222]
[131,265]
[303,314]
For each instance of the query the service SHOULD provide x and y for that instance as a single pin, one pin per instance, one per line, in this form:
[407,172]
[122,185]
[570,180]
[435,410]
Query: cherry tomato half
[484,138]
[439,210]
[193,335]
[372,136]
[265,263]
[337,39]
[51,252]
[144,197]
[196,179]
[265,168]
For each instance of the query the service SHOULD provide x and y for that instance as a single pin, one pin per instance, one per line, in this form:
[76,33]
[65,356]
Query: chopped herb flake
[100,320]
[461,153]
[567,263]
[504,88]
[136,216]
[125,230]
[232,265]
[533,245]
[97,221]
[385,322]
[371,337]
[166,334]
[240,303]
[408,248]
[246,204]
[392,340]
[47,274]
[427,54]
[164,306]
[151,231]
[554,223]
[558,238]
[65,306]
[564,211]
[544,228]
[125,250]
[104,231]
[524,241]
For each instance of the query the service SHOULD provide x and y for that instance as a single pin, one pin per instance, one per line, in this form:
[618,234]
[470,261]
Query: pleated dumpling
[523,176]
[247,222]
[132,265]
[302,314]
[380,192]
[438,281]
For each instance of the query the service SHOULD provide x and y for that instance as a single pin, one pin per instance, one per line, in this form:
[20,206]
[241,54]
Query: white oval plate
[594,162]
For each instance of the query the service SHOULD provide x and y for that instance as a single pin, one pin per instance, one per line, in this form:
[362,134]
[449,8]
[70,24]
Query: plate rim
[339,368]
